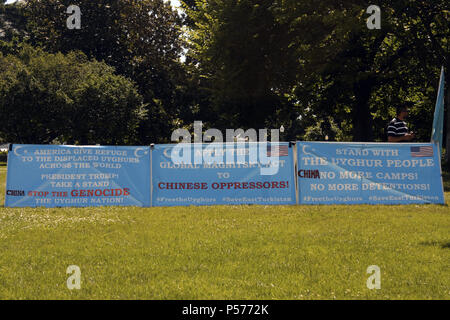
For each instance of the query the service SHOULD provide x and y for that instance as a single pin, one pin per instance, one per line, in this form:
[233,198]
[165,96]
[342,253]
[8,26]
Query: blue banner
[77,176]
[214,174]
[372,173]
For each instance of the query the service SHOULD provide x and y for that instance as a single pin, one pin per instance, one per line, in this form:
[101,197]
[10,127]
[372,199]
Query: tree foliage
[363,74]
[312,66]
[141,39]
[245,62]
[12,22]
[320,59]
[66,98]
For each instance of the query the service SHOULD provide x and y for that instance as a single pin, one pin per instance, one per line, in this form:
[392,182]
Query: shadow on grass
[442,244]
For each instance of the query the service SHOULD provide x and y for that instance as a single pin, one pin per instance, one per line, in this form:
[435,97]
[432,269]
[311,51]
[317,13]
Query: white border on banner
[10,146]
[295,150]
[384,143]
[8,174]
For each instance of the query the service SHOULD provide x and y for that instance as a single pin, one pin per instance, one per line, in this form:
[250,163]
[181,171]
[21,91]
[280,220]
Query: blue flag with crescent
[438,121]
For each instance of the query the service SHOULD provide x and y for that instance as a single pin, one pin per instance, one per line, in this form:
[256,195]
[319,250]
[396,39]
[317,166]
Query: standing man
[397,131]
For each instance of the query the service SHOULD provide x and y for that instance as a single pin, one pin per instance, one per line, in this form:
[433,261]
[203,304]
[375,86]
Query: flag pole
[438,120]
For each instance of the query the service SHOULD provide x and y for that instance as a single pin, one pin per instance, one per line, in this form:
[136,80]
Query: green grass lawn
[225,252]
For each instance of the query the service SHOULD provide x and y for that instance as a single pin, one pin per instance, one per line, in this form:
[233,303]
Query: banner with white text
[372,173]
[77,176]
[214,174]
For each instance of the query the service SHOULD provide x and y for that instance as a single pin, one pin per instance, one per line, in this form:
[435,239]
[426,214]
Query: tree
[246,67]
[299,62]
[360,75]
[47,98]
[12,22]
[141,39]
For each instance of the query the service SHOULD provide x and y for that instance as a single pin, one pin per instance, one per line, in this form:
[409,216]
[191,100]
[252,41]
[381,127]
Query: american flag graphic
[277,151]
[422,151]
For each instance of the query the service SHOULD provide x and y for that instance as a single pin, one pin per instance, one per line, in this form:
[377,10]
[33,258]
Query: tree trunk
[362,119]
